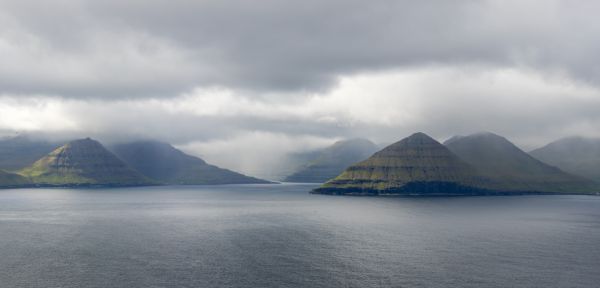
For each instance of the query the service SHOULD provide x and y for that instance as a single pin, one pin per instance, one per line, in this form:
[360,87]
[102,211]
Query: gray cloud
[235,80]
[529,107]
[161,48]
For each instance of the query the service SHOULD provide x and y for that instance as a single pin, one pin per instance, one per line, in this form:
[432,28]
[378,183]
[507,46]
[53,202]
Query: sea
[282,236]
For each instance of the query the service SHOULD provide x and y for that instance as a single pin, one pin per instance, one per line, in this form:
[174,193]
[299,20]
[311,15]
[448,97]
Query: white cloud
[34,115]
[242,131]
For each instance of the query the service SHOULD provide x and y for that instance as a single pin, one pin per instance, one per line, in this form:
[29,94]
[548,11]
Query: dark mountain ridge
[577,155]
[512,169]
[480,164]
[165,163]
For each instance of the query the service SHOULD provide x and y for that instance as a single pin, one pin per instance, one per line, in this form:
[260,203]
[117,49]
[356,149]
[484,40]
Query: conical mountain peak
[488,136]
[481,139]
[84,143]
[419,137]
[416,139]
[416,144]
[483,135]
[83,162]
[482,163]
[416,164]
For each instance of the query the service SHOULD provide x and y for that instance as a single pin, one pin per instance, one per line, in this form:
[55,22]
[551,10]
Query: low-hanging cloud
[224,125]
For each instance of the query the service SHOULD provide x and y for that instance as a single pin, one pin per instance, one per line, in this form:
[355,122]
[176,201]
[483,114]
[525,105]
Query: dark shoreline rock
[432,189]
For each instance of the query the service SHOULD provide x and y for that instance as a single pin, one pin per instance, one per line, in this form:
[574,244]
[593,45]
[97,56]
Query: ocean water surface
[281,236]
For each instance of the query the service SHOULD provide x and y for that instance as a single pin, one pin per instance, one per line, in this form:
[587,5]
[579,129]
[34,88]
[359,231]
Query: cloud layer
[141,48]
[239,131]
[246,78]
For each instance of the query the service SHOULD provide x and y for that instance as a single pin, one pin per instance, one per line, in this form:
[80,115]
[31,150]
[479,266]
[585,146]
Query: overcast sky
[243,83]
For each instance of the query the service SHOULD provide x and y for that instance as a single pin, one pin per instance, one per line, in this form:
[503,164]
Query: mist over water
[281,236]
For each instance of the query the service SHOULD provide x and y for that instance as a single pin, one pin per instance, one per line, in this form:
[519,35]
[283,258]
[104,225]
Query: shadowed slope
[510,168]
[164,163]
[19,152]
[333,160]
[12,180]
[576,155]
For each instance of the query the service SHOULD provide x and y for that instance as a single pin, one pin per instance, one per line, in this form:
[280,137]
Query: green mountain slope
[415,165]
[168,165]
[12,180]
[333,160]
[81,163]
[576,155]
[510,168]
[21,151]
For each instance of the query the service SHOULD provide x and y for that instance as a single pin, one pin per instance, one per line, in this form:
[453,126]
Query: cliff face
[415,165]
[83,162]
[333,160]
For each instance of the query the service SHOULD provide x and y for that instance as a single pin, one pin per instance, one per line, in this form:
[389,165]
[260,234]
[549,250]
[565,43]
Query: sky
[245,83]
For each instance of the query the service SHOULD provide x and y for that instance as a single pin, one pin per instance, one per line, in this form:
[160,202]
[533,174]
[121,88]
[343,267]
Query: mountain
[83,162]
[510,168]
[576,155]
[8,180]
[415,165]
[168,165]
[333,160]
[21,151]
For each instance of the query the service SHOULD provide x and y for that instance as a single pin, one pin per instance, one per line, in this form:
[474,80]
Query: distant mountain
[82,163]
[21,151]
[12,180]
[415,165]
[168,165]
[511,169]
[577,155]
[333,160]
